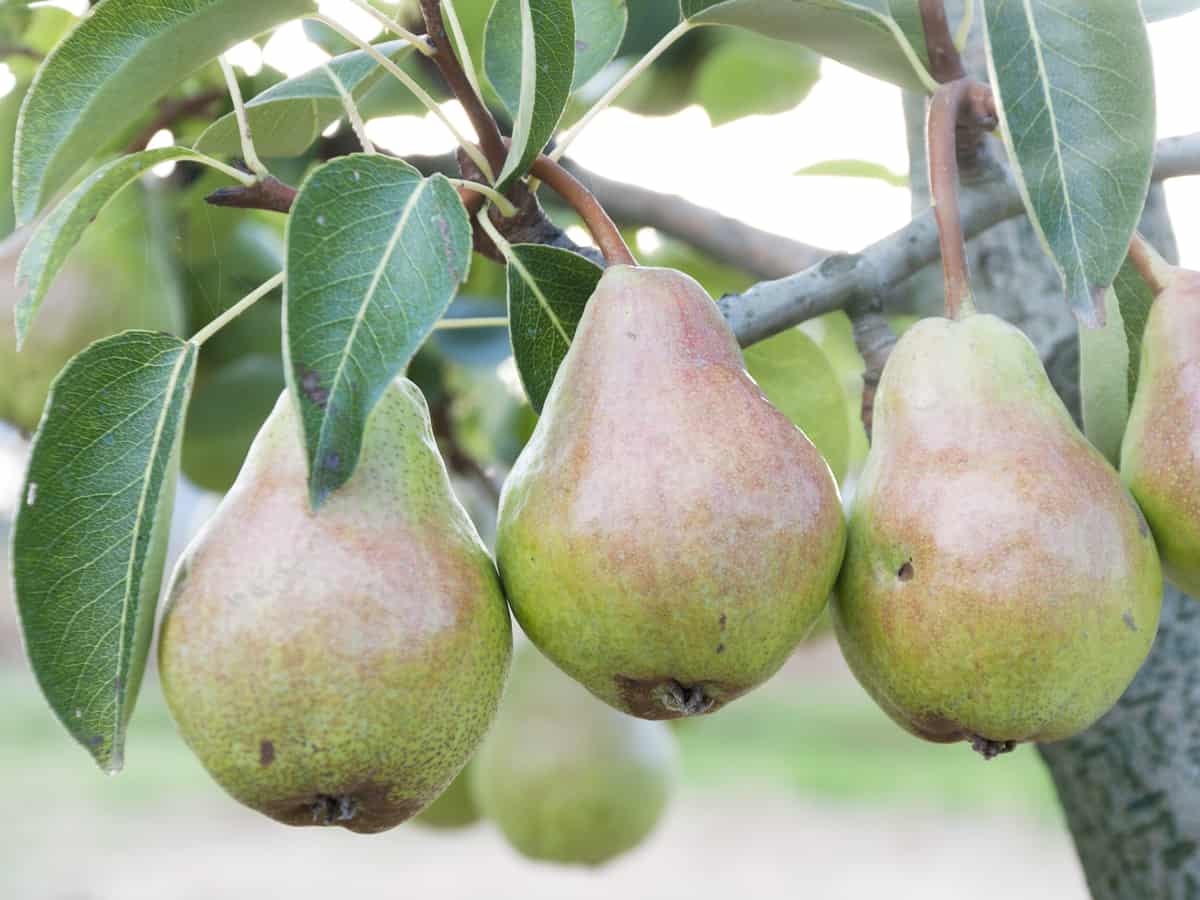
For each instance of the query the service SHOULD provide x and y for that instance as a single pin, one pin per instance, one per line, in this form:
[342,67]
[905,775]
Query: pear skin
[1160,455]
[1000,584]
[337,668]
[667,536]
[567,779]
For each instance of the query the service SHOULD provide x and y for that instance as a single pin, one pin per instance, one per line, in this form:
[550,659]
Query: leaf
[375,253]
[599,29]
[90,535]
[1109,358]
[752,75]
[1155,10]
[800,380]
[883,38]
[286,118]
[856,168]
[548,289]
[529,57]
[120,59]
[58,233]
[1075,91]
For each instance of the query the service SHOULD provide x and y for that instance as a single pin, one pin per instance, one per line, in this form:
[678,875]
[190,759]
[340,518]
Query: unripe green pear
[1000,584]
[667,536]
[340,667]
[118,278]
[455,808]
[566,778]
[1160,455]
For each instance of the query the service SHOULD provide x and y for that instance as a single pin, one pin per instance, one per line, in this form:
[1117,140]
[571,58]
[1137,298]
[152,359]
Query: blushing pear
[1160,455]
[340,667]
[667,536]
[1000,584]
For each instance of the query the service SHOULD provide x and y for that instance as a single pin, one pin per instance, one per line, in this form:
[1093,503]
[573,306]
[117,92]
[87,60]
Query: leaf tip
[1089,307]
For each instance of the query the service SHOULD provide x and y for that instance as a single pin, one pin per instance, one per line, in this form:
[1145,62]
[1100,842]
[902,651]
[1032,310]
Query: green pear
[1000,584]
[118,278]
[667,536]
[455,808]
[228,407]
[340,667]
[566,778]
[1162,439]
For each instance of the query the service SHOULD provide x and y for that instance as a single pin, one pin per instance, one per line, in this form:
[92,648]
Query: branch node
[267,193]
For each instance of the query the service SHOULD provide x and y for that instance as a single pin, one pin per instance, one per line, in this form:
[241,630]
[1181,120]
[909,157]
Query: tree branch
[774,306]
[460,85]
[945,63]
[171,111]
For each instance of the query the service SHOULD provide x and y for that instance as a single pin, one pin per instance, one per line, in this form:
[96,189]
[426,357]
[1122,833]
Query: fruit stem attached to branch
[971,104]
[945,63]
[462,86]
[1155,270]
[604,231]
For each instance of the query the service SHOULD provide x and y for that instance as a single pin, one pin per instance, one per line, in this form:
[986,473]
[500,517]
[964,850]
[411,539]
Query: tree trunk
[1130,785]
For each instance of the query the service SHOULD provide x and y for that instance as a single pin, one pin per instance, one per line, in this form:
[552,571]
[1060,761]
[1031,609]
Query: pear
[455,808]
[566,778]
[1161,449]
[118,278]
[667,536]
[1000,584]
[340,667]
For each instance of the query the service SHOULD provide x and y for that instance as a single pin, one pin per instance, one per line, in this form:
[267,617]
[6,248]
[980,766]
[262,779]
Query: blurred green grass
[819,742]
[830,742]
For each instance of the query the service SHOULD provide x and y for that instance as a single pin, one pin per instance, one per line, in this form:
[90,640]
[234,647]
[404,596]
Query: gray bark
[1130,785]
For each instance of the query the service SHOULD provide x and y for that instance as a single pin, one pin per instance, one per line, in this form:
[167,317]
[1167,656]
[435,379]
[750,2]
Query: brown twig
[270,194]
[458,459]
[171,111]
[604,231]
[945,63]
[7,50]
[971,104]
[875,339]
[451,68]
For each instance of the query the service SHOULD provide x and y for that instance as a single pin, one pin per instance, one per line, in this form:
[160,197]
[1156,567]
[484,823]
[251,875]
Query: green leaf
[1075,91]
[119,60]
[1154,10]
[548,289]
[529,57]
[1109,358]
[58,233]
[599,29]
[753,75]
[90,535]
[375,254]
[800,380]
[856,168]
[883,38]
[286,118]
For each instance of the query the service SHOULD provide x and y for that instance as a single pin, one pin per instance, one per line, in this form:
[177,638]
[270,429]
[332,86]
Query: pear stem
[970,104]
[237,309]
[945,63]
[1155,270]
[604,231]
